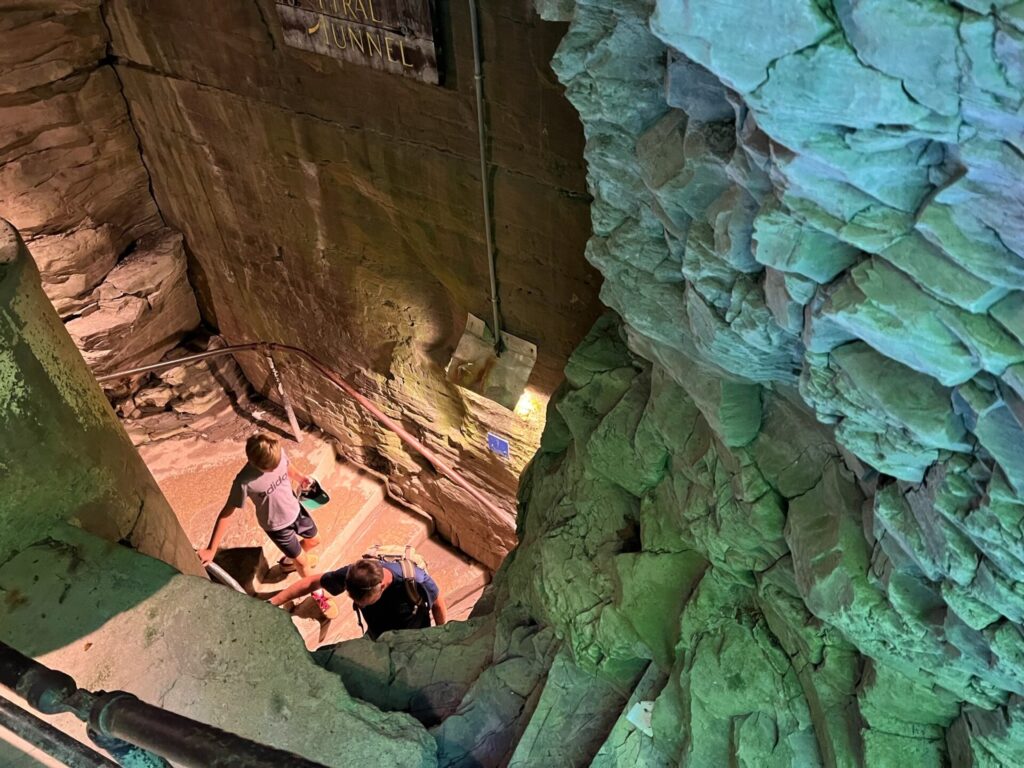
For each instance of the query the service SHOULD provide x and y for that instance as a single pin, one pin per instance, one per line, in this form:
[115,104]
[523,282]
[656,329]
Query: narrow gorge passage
[691,332]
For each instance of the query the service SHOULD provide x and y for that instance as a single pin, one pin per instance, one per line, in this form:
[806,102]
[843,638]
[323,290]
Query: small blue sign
[497,444]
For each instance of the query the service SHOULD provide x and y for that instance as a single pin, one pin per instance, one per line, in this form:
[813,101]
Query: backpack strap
[409,576]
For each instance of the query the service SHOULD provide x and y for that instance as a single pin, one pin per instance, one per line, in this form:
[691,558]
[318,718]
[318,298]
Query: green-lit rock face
[792,478]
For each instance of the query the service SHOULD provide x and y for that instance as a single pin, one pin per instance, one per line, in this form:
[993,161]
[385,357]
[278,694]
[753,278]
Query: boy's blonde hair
[263,451]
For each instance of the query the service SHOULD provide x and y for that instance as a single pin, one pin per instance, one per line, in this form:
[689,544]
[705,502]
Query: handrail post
[292,421]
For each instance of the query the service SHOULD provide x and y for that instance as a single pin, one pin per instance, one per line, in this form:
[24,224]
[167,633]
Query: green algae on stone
[782,243]
[940,276]
[890,312]
[997,428]
[803,87]
[894,418]
[886,539]
[653,588]
[882,31]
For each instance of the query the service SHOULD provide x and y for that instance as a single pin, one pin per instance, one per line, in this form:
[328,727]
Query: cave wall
[72,181]
[318,195]
[789,478]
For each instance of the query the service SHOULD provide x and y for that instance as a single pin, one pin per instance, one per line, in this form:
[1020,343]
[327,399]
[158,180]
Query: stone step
[389,524]
[358,516]
[457,575]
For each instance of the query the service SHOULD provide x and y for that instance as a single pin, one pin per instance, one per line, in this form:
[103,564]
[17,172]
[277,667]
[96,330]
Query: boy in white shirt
[267,480]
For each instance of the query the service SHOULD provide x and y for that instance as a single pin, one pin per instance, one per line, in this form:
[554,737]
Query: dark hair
[363,577]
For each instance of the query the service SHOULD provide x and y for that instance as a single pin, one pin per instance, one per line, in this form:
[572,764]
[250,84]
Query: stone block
[802,87]
[886,309]
[943,278]
[882,31]
[967,242]
[562,711]
[425,674]
[145,306]
[997,428]
[784,243]
[624,448]
[627,745]
[652,590]
[891,416]
[694,90]
[691,27]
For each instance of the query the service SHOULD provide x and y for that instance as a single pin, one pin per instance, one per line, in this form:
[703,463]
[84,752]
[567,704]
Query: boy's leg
[291,541]
[305,527]
[306,561]
[287,540]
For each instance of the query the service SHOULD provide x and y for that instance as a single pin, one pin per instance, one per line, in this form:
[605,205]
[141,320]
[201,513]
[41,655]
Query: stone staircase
[359,515]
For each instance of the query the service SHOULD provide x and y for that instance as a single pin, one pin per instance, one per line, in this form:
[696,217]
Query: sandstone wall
[792,479]
[73,182]
[63,454]
[337,208]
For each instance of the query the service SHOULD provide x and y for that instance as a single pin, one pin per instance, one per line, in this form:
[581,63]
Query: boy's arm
[439,611]
[219,529]
[299,480]
[300,588]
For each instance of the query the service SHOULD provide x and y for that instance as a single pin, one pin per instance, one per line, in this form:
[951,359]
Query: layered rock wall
[72,180]
[337,209]
[791,479]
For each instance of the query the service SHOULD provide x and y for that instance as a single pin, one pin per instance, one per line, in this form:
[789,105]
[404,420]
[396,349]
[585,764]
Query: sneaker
[290,566]
[327,606]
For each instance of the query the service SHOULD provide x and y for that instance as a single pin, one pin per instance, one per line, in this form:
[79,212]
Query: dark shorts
[287,539]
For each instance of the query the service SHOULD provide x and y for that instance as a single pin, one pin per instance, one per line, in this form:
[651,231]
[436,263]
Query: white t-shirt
[271,492]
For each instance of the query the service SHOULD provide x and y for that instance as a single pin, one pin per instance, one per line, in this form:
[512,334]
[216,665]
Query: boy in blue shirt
[379,594]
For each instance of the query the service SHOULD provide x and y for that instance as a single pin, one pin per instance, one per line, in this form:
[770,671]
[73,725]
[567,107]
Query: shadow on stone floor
[69,584]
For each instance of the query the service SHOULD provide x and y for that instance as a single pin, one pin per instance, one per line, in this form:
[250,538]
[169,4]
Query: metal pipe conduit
[485,186]
[260,346]
[122,716]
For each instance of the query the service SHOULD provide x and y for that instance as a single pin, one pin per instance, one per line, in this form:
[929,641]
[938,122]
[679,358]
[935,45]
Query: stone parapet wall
[63,454]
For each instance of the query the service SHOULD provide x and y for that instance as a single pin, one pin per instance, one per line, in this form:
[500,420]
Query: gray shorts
[287,539]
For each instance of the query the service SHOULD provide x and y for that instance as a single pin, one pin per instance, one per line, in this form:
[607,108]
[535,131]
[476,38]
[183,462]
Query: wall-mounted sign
[498,444]
[394,36]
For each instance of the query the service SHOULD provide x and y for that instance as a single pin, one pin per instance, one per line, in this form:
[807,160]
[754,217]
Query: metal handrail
[57,744]
[266,347]
[218,574]
[121,717]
